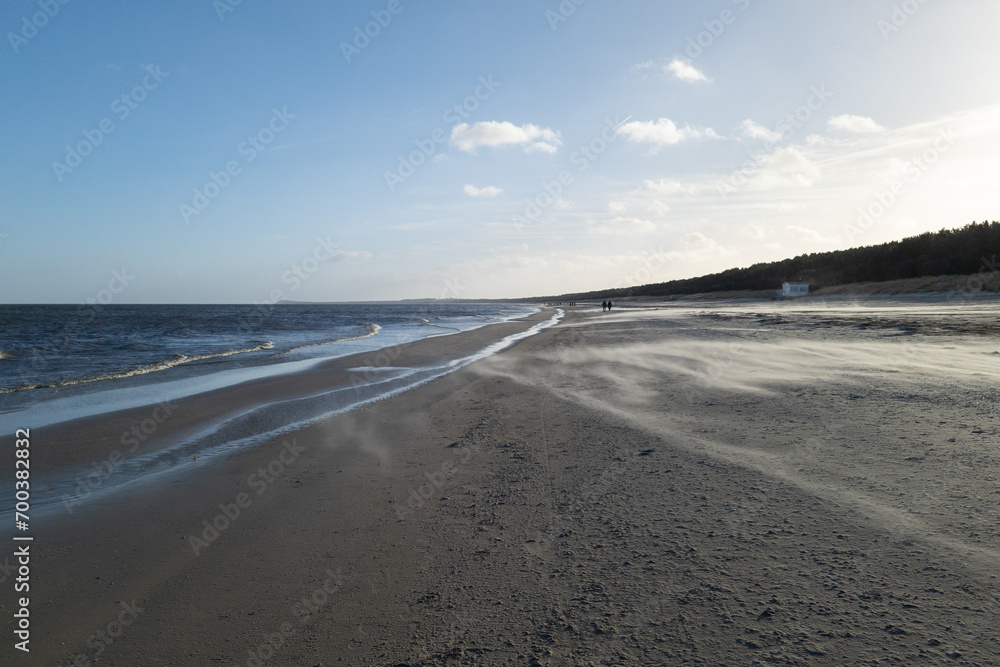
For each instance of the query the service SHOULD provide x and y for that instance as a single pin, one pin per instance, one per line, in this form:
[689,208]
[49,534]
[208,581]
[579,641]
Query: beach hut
[794,289]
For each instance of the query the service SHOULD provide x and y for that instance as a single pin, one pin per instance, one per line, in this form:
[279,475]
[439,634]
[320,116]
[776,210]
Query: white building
[794,289]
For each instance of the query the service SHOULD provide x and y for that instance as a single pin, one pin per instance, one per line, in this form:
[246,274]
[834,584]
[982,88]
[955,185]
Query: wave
[143,370]
[5,355]
[373,329]
[428,323]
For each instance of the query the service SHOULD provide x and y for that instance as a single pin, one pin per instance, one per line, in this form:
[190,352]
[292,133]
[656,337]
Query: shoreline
[175,379]
[123,446]
[595,494]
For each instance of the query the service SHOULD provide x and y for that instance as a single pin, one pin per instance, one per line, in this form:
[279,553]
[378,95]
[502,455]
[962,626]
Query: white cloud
[783,168]
[770,213]
[488,191]
[684,70]
[663,132]
[617,206]
[854,124]
[659,207]
[754,131]
[468,138]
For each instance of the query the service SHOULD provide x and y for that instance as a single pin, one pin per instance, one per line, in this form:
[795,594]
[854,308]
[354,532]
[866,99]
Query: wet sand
[656,487]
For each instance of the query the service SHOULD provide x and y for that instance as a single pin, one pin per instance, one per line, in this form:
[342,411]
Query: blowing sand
[675,486]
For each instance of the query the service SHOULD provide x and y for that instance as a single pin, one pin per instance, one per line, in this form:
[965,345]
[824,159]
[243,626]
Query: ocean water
[48,350]
[62,362]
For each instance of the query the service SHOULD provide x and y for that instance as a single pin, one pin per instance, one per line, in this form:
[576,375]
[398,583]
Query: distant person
[609,305]
[604,306]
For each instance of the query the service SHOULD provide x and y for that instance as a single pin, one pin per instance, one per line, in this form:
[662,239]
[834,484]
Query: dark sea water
[48,348]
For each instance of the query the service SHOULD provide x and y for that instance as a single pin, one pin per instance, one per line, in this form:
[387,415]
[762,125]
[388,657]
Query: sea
[60,362]
[49,347]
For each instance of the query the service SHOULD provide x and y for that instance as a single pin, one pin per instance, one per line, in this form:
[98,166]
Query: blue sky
[204,152]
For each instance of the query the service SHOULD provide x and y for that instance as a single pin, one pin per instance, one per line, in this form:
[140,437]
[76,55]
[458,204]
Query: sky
[232,151]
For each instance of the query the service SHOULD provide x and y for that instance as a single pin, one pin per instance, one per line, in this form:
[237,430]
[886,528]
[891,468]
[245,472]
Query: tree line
[961,251]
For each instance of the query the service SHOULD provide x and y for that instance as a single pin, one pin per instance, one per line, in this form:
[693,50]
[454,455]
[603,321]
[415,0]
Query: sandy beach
[738,485]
